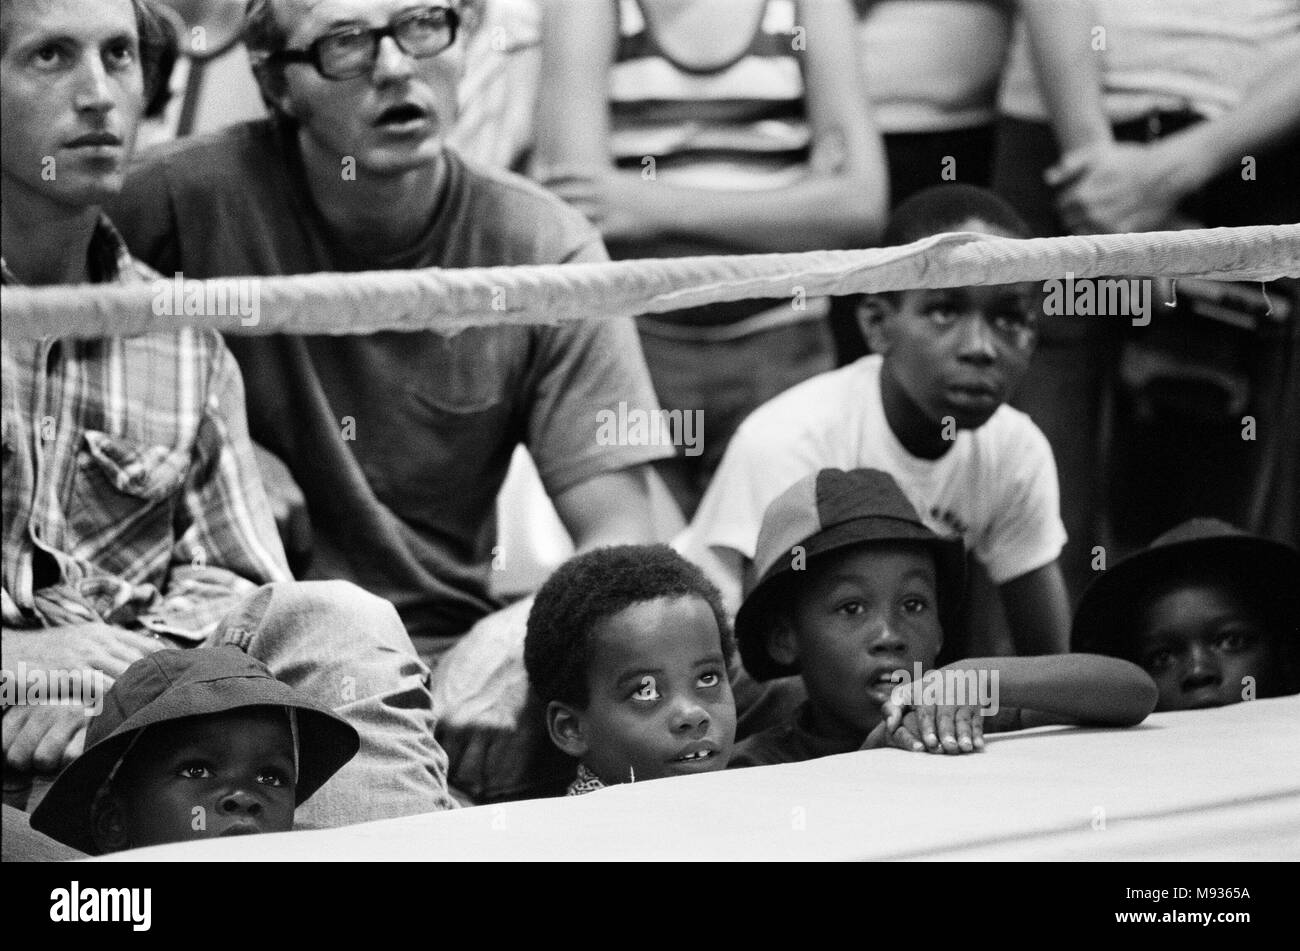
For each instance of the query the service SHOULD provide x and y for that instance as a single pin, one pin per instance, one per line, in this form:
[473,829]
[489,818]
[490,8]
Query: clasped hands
[927,728]
[1116,187]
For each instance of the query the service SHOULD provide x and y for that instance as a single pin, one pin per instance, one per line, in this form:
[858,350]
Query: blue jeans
[348,650]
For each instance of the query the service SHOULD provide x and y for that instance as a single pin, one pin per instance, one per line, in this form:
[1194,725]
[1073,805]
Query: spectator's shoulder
[1010,433]
[208,160]
[536,225]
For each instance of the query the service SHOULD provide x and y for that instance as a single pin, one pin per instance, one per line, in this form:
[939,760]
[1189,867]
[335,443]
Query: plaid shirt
[131,495]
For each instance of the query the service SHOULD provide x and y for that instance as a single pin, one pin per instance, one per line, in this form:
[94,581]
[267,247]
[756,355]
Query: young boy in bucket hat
[194,744]
[851,590]
[1209,611]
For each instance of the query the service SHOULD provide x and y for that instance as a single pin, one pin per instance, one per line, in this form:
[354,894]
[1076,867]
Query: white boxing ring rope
[449,300]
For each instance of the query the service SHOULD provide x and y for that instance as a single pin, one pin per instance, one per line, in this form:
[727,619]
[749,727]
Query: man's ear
[875,313]
[782,644]
[565,726]
[274,87]
[281,99]
[108,824]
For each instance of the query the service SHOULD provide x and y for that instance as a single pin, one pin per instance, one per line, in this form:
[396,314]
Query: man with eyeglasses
[400,441]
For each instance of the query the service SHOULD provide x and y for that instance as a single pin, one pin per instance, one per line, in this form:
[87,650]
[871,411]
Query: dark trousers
[1064,388]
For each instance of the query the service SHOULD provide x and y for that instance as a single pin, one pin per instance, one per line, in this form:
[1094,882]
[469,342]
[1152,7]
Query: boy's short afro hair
[938,209]
[597,585]
[943,208]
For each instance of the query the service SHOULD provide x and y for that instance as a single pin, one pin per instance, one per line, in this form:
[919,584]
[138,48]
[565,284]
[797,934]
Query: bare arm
[1068,69]
[1083,689]
[1269,111]
[1038,611]
[609,509]
[578,40]
[841,202]
[1127,187]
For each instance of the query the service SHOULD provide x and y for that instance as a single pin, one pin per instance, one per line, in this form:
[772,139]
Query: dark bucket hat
[172,684]
[825,512]
[1105,612]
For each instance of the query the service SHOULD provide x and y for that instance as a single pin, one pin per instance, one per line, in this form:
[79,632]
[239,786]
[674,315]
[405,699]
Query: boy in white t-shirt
[928,408]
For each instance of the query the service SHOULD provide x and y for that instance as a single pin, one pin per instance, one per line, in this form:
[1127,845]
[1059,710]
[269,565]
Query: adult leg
[348,649]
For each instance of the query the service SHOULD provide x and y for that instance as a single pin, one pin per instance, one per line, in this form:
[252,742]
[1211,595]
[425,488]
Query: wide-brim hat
[1103,620]
[171,685]
[825,512]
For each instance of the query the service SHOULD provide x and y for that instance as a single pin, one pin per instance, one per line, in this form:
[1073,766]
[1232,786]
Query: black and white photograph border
[437,430]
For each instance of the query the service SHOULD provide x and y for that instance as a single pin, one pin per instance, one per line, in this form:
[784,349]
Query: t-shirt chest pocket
[125,492]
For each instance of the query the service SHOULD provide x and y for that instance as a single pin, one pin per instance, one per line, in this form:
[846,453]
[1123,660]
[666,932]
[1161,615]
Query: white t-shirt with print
[996,488]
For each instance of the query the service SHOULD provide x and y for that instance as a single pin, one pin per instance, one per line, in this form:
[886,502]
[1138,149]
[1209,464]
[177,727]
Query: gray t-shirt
[400,441]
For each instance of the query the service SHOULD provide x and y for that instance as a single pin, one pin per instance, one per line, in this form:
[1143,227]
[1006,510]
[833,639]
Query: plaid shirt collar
[110,262]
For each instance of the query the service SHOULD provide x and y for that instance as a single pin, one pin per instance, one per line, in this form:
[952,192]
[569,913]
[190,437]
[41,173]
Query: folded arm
[840,202]
[609,509]
[1077,689]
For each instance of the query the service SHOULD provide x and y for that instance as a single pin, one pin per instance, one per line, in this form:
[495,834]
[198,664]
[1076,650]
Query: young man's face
[1199,643]
[863,615]
[958,352]
[659,703]
[392,119]
[71,93]
[201,777]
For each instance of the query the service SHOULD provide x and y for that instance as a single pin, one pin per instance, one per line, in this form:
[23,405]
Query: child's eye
[194,771]
[272,777]
[647,691]
[1009,320]
[1234,640]
[1158,660]
[915,605]
[852,608]
[709,680]
[943,313]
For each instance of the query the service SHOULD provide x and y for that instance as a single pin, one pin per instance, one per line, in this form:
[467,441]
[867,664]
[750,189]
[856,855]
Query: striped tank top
[739,126]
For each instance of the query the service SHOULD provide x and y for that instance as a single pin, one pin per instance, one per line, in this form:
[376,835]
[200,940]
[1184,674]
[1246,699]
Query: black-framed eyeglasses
[351,52]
